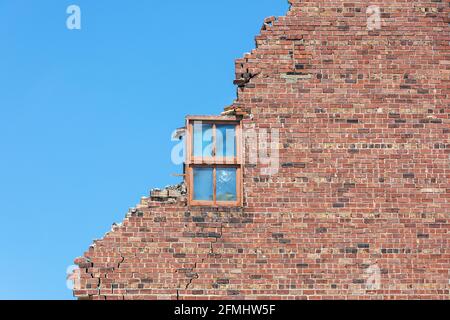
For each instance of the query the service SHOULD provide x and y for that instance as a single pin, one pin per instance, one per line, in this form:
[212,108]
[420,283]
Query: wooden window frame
[213,162]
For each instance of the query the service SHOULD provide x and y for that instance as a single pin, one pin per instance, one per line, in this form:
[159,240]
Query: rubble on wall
[170,194]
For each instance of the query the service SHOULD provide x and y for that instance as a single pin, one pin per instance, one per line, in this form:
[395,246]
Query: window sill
[217,205]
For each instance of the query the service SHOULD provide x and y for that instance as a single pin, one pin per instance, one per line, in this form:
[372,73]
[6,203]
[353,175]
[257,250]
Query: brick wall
[362,186]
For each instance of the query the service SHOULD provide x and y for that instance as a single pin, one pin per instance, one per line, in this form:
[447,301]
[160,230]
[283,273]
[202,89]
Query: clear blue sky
[86,116]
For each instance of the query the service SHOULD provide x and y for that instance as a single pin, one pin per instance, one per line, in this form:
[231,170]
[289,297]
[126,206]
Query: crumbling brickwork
[362,183]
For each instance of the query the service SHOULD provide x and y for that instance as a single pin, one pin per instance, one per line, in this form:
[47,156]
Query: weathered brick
[362,183]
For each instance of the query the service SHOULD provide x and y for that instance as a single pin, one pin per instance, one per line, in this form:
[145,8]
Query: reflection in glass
[225,140]
[226,184]
[203,184]
[202,140]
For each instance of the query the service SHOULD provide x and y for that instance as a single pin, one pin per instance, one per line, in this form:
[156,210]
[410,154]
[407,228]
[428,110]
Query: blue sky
[86,116]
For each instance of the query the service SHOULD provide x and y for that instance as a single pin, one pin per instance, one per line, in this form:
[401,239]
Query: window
[213,161]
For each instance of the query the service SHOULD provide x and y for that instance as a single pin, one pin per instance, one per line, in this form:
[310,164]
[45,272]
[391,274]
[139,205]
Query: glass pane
[226,184]
[226,140]
[202,140]
[203,184]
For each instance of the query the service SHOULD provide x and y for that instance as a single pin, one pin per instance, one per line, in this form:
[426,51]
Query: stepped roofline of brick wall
[358,207]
